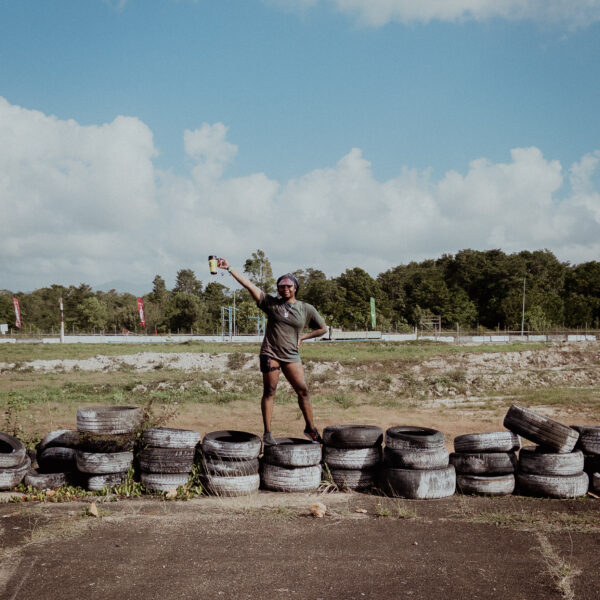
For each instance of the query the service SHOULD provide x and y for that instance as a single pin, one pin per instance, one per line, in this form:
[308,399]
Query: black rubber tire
[167,460]
[352,458]
[492,485]
[591,463]
[96,483]
[352,436]
[232,444]
[424,459]
[12,451]
[354,479]
[494,441]
[163,482]
[104,442]
[407,437]
[63,438]
[164,437]
[596,482]
[45,481]
[293,452]
[552,486]
[484,463]
[534,459]
[232,486]
[589,438]
[229,468]
[12,476]
[55,459]
[418,485]
[298,479]
[540,429]
[101,463]
[109,419]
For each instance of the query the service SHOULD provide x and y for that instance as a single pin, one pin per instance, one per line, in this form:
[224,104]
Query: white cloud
[87,204]
[574,13]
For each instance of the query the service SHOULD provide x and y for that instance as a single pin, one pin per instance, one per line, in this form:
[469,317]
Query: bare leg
[294,373]
[270,380]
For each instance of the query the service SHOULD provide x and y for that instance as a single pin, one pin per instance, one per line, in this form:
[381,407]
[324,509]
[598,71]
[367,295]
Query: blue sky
[376,131]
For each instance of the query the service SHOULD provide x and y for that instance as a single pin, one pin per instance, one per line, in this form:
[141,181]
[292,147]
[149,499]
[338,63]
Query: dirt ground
[270,546]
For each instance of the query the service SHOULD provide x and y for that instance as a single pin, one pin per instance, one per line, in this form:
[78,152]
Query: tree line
[470,289]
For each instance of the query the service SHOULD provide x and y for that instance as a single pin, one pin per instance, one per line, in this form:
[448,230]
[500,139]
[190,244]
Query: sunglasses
[286,286]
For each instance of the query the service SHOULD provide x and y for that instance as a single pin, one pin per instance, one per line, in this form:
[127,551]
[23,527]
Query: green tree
[94,314]
[187,283]
[259,271]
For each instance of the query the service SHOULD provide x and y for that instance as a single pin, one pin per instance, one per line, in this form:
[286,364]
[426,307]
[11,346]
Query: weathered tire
[421,485]
[484,463]
[229,468]
[495,441]
[352,458]
[354,479]
[163,482]
[298,479]
[100,463]
[232,444]
[167,460]
[352,436]
[540,429]
[591,464]
[589,438]
[232,486]
[407,437]
[109,419]
[55,459]
[552,486]
[63,438]
[45,481]
[96,483]
[12,451]
[12,476]
[533,459]
[423,459]
[104,442]
[163,437]
[293,452]
[493,485]
[596,482]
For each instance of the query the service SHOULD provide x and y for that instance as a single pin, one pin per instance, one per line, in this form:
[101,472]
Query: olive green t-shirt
[284,326]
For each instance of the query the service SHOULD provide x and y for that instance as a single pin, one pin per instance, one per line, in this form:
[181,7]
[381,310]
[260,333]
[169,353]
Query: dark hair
[289,276]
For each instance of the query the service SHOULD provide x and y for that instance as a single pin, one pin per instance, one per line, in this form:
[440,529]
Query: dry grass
[561,572]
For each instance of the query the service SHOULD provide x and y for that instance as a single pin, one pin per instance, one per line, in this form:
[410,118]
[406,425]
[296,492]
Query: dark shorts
[268,364]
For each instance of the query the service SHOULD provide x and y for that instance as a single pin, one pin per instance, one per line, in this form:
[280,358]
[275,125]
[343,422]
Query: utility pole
[62,321]
[523,311]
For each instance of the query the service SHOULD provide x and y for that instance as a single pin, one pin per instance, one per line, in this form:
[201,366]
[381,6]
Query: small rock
[363,511]
[92,510]
[171,494]
[318,510]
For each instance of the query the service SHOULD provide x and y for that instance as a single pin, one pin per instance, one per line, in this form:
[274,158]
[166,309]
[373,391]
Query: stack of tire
[552,468]
[55,455]
[14,461]
[106,440]
[416,464]
[229,462]
[291,465]
[485,463]
[167,458]
[352,455]
[589,444]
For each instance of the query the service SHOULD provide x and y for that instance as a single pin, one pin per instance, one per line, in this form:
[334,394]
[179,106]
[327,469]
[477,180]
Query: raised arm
[255,291]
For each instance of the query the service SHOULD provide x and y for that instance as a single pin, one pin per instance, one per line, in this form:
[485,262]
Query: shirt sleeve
[265,302]
[313,319]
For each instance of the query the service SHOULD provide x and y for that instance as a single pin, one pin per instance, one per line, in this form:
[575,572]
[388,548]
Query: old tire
[596,482]
[552,486]
[495,441]
[63,438]
[482,463]
[283,479]
[104,442]
[540,429]
[164,437]
[423,459]
[493,485]
[591,464]
[100,463]
[45,481]
[12,476]
[163,482]
[538,460]
[56,459]
[589,438]
[352,436]
[96,483]
[167,460]
[418,485]
[109,419]
[354,479]
[232,444]
[293,452]
[232,486]
[407,437]
[12,451]
[229,468]
[352,458]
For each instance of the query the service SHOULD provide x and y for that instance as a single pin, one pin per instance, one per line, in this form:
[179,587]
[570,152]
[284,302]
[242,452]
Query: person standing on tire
[287,318]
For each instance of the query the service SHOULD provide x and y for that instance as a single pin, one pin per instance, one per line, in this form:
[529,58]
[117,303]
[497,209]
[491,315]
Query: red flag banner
[141,312]
[17,312]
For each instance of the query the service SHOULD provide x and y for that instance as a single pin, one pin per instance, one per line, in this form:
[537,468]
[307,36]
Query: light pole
[62,321]
[523,311]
